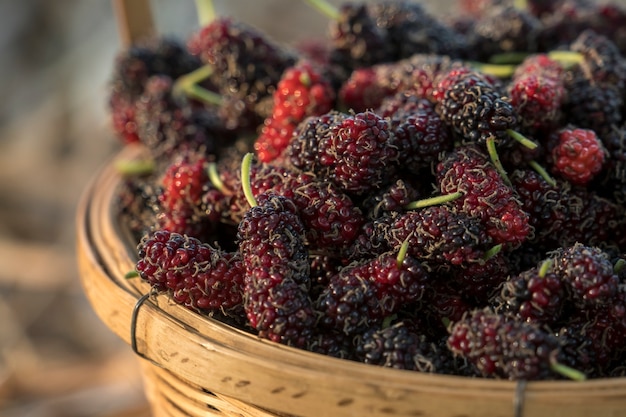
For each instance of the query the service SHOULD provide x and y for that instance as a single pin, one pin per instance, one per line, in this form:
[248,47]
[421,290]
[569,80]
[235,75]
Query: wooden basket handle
[134,19]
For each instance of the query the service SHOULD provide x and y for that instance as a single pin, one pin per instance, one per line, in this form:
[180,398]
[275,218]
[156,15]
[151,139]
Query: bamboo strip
[134,20]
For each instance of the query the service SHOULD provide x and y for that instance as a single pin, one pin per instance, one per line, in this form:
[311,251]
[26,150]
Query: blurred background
[56,358]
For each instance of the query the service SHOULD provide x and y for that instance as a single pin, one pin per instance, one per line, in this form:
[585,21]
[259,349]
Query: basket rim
[103,254]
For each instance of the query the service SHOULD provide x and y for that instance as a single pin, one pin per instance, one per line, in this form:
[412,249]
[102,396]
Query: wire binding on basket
[518,401]
[133,327]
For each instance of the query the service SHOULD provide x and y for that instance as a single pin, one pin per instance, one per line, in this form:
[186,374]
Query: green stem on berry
[544,268]
[495,159]
[131,274]
[305,79]
[188,85]
[492,252]
[520,4]
[508,58]
[402,253]
[325,8]
[523,140]
[497,70]
[206,11]
[246,168]
[135,167]
[568,372]
[619,266]
[388,320]
[446,322]
[440,199]
[542,172]
[566,58]
[202,94]
[214,177]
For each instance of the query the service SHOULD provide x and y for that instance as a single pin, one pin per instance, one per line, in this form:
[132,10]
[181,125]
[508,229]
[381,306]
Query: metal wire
[133,327]
[518,401]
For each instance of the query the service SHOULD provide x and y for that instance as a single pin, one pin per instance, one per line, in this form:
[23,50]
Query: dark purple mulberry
[271,242]
[440,235]
[419,132]
[504,29]
[364,293]
[587,274]
[196,275]
[500,346]
[362,154]
[535,295]
[485,195]
[411,30]
[476,110]
[167,126]
[403,346]
[357,41]
[246,64]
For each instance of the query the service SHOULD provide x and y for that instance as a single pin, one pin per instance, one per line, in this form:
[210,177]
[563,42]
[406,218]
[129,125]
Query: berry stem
[508,58]
[542,171]
[495,159]
[135,168]
[619,265]
[440,199]
[246,168]
[325,8]
[497,70]
[214,176]
[446,322]
[206,11]
[521,139]
[402,253]
[520,4]
[388,320]
[566,58]
[131,274]
[492,252]
[188,85]
[566,371]
[545,266]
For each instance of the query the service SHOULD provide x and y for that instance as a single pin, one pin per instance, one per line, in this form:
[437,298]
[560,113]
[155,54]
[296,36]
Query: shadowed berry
[587,274]
[364,293]
[246,64]
[403,346]
[357,41]
[476,110]
[578,156]
[411,30]
[168,126]
[538,100]
[419,132]
[503,29]
[536,295]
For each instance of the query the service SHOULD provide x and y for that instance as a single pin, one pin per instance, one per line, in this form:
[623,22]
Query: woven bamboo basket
[197,366]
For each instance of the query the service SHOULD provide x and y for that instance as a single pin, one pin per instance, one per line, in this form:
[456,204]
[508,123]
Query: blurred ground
[56,358]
